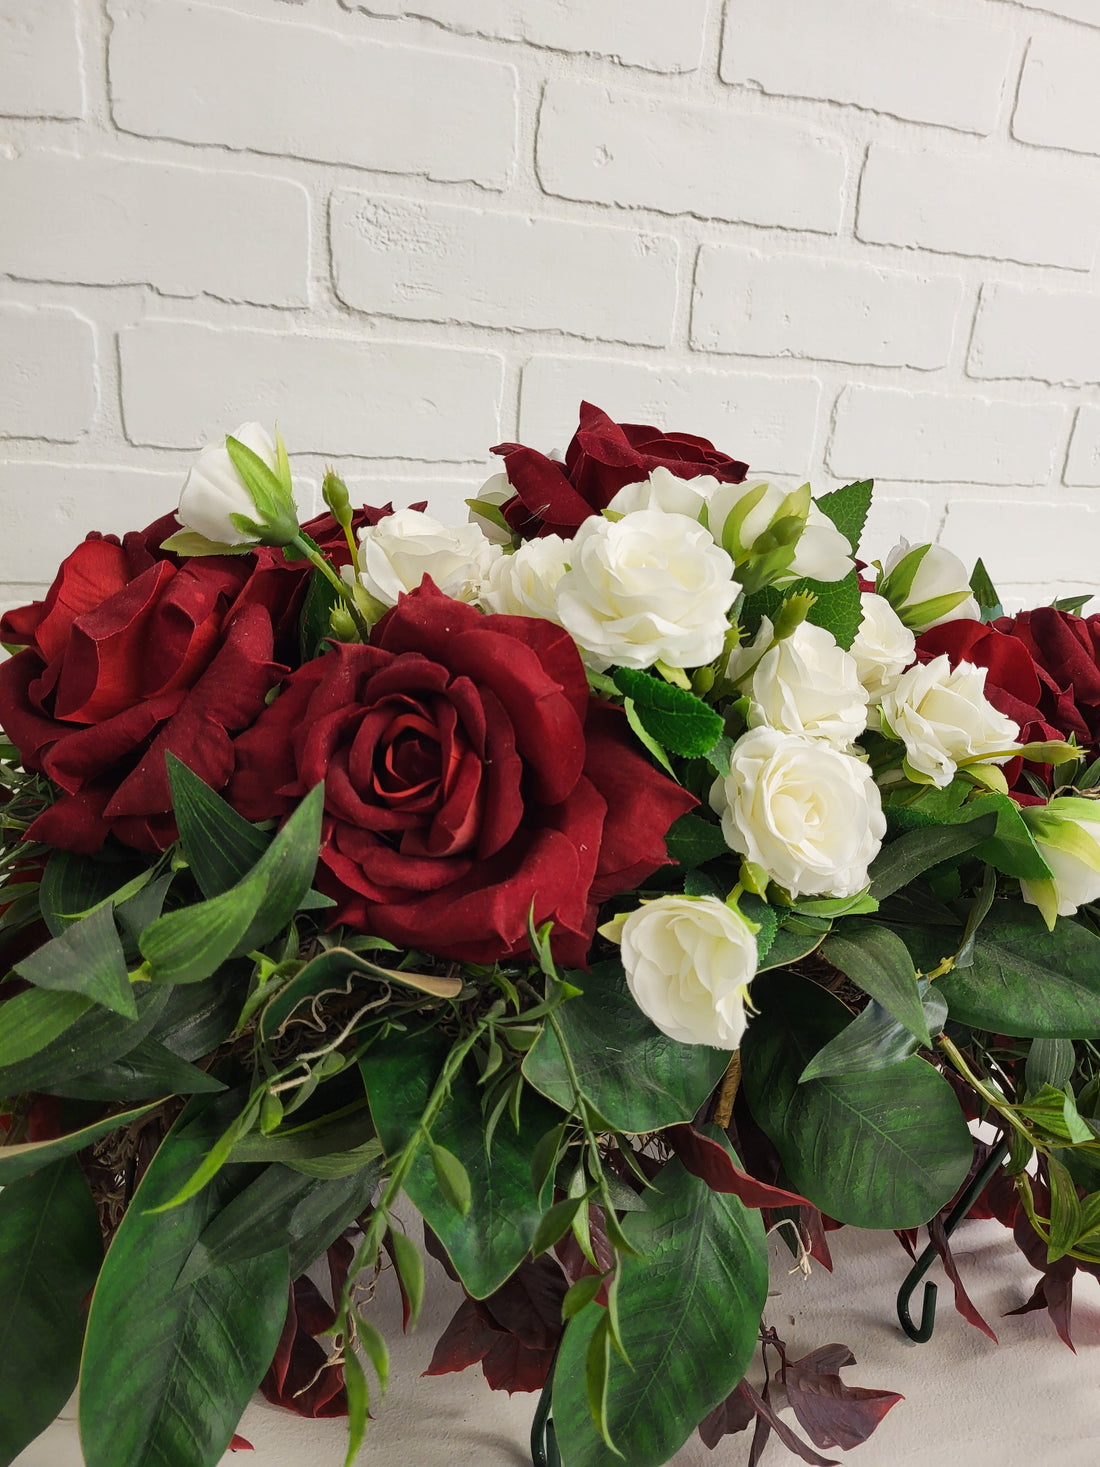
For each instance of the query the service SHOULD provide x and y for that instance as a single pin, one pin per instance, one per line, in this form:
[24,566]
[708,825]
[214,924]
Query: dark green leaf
[766,919]
[325,1148]
[877,960]
[580,1294]
[847,508]
[692,841]
[73,884]
[635,1076]
[167,1372]
[689,1308]
[795,938]
[91,1038]
[677,719]
[873,1040]
[306,1213]
[150,1069]
[50,1252]
[221,846]
[901,860]
[985,593]
[492,1240]
[1024,980]
[189,945]
[1065,1211]
[30,1156]
[314,626]
[87,958]
[1049,1062]
[885,1149]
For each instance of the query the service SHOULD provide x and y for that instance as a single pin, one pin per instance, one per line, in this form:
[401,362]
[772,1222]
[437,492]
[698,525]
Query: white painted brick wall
[850,237]
[940,66]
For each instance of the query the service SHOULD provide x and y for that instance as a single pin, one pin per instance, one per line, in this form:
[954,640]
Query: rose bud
[237,495]
[927,586]
[1067,832]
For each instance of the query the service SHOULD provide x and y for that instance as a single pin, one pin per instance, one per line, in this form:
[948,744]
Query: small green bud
[335,494]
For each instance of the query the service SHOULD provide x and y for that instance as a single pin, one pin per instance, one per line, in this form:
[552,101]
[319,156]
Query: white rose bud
[664,491]
[525,583]
[688,964]
[496,491]
[649,587]
[396,554]
[883,647]
[214,491]
[806,812]
[805,684]
[820,552]
[944,719]
[1067,832]
[927,586]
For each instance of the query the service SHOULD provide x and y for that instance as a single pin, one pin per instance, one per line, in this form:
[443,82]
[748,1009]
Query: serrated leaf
[692,841]
[847,508]
[676,718]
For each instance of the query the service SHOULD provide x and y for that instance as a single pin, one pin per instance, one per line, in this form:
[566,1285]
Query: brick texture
[1058,105]
[40,70]
[638,151]
[1047,335]
[206,75]
[1083,459]
[400,257]
[47,374]
[803,306]
[897,59]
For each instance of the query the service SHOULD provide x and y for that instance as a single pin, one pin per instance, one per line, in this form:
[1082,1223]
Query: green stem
[310,552]
[994,1101]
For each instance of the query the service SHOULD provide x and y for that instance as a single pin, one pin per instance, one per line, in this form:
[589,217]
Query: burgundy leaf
[511,1366]
[1054,1292]
[825,1360]
[793,1443]
[465,1341]
[812,1224]
[513,1333]
[907,1237]
[300,1377]
[238,1444]
[963,1302]
[831,1413]
[528,1304]
[711,1163]
[734,1414]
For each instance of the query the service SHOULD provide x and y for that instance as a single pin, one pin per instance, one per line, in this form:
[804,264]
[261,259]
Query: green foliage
[874,1039]
[51,1037]
[168,1370]
[491,1240]
[219,845]
[692,841]
[86,958]
[676,718]
[836,606]
[902,860]
[884,1149]
[1024,980]
[877,960]
[847,508]
[985,593]
[689,1303]
[190,944]
[50,1252]
[19,1161]
[638,1081]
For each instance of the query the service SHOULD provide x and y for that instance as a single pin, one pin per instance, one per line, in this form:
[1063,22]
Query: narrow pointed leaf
[877,960]
[30,1156]
[221,846]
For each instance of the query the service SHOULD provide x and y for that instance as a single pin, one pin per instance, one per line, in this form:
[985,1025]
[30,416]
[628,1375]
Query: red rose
[468,775]
[1066,651]
[554,498]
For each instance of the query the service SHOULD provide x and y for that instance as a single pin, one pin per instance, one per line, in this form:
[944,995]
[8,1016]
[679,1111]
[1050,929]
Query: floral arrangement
[620,876]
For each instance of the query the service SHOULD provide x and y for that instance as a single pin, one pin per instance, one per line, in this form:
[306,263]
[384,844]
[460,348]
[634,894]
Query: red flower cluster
[603,457]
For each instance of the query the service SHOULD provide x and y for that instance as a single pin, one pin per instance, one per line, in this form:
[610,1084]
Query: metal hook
[920,1333]
[544,1441]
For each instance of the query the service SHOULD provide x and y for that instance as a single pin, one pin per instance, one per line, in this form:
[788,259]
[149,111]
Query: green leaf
[795,938]
[765,918]
[410,1270]
[985,593]
[877,960]
[452,1178]
[692,841]
[885,1149]
[901,860]
[874,1040]
[358,1393]
[314,625]
[189,945]
[30,1156]
[167,1372]
[677,719]
[1056,1112]
[689,1309]
[636,1077]
[328,1148]
[150,1069]
[490,1242]
[87,958]
[221,846]
[217,1153]
[1024,981]
[1049,1062]
[73,884]
[556,1223]
[88,1036]
[1065,1211]
[32,1021]
[50,1252]
[306,1213]
[580,1294]
[847,508]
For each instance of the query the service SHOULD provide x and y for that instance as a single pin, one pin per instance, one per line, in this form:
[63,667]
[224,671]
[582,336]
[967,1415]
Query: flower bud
[1067,833]
[237,495]
[927,586]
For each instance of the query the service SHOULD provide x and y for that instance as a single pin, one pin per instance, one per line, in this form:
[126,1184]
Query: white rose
[649,587]
[809,814]
[821,553]
[664,491]
[688,964]
[213,489]
[396,554]
[927,586]
[883,647]
[525,583]
[1067,832]
[496,491]
[944,719]
[805,684]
